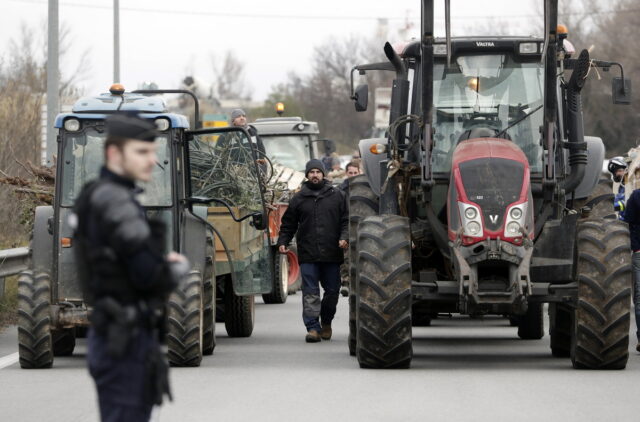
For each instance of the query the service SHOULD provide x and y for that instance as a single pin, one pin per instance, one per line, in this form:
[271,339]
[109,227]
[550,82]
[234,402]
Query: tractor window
[84,156]
[481,95]
[288,150]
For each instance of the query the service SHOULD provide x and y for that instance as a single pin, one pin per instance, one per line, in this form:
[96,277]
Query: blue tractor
[52,309]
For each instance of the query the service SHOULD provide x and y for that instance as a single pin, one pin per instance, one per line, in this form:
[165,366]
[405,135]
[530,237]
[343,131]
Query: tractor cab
[206,189]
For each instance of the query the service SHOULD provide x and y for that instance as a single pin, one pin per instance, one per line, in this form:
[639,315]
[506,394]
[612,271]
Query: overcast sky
[162,41]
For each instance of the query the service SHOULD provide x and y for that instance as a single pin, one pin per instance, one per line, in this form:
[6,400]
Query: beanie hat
[314,164]
[237,112]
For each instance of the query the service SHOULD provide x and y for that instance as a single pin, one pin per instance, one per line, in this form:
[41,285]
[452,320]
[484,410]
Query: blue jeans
[636,290]
[315,274]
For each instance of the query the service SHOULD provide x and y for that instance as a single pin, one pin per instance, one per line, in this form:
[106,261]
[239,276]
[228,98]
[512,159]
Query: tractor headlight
[162,124]
[470,213]
[513,229]
[72,125]
[473,228]
[516,213]
[528,48]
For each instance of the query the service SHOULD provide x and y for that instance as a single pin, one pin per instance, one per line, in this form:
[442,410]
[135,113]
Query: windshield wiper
[503,131]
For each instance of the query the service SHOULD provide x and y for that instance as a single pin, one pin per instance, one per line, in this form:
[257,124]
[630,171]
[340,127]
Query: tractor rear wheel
[531,324]
[35,344]
[239,312]
[185,322]
[560,327]
[64,341]
[280,279]
[384,292]
[209,301]
[600,337]
[363,202]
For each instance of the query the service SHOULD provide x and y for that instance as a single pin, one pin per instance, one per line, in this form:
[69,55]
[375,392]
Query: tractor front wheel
[600,338]
[35,344]
[384,292]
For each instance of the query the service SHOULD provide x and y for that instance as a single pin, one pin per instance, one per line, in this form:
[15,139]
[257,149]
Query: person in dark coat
[352,170]
[125,274]
[632,216]
[318,217]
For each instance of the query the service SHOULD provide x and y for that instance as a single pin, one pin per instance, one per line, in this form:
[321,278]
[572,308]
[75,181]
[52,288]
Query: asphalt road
[463,370]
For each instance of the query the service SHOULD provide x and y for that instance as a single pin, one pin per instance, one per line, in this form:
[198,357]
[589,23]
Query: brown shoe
[326,332]
[312,337]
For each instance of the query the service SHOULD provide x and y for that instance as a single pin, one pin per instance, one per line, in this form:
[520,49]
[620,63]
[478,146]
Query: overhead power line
[309,17]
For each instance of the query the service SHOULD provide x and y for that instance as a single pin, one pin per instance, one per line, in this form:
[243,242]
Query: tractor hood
[489,192]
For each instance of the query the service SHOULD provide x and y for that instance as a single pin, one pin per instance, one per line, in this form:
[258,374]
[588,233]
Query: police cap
[131,126]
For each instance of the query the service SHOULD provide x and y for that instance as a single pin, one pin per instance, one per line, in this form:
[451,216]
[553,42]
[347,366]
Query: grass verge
[9,302]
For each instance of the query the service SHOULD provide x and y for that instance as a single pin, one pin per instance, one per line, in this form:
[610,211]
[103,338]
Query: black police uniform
[127,281]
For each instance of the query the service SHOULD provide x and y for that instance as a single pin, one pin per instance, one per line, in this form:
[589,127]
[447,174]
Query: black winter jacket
[321,219]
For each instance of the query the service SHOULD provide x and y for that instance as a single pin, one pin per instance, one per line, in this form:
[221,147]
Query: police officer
[617,167]
[125,275]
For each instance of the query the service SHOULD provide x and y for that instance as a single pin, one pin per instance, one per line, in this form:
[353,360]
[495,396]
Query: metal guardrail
[13,261]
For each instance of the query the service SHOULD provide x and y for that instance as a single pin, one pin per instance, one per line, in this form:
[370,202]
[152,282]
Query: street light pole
[52,79]
[116,41]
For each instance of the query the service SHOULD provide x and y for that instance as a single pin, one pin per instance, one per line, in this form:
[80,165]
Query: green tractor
[479,200]
[51,307]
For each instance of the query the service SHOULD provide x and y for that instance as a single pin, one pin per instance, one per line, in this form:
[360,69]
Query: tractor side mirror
[258,221]
[361,97]
[621,91]
[329,145]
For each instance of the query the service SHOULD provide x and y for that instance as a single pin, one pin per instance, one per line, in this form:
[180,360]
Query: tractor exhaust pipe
[426,56]
[576,145]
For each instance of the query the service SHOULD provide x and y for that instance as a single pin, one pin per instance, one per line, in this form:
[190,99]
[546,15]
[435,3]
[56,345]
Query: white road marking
[8,360]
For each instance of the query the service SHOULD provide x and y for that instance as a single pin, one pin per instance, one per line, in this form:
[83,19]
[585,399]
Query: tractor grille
[492,183]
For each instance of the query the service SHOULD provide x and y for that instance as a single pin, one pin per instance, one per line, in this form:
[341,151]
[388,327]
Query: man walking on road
[125,274]
[319,216]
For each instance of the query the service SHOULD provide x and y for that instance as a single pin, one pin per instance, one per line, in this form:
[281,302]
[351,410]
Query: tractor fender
[42,241]
[371,162]
[593,170]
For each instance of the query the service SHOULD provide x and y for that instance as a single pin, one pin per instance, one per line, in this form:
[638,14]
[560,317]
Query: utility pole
[116,41]
[52,79]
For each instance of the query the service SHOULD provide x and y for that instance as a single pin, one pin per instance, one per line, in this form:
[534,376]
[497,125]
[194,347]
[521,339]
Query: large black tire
[280,279]
[64,341]
[531,324]
[209,301]
[35,344]
[240,312]
[185,322]
[384,292]
[601,325]
[600,200]
[363,202]
[560,328]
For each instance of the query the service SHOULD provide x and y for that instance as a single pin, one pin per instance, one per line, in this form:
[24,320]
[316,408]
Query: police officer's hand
[343,244]
[283,249]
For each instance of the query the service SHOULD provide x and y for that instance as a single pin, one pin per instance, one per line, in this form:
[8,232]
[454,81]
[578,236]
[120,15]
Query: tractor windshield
[481,96]
[287,150]
[84,156]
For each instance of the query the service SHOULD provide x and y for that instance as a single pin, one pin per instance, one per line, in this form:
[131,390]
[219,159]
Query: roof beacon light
[116,89]
[562,29]
[279,108]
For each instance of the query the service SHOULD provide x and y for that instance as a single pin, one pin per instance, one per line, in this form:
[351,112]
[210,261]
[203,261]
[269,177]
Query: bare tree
[229,73]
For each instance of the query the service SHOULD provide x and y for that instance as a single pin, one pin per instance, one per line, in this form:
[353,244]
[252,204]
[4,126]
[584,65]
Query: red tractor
[478,202]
